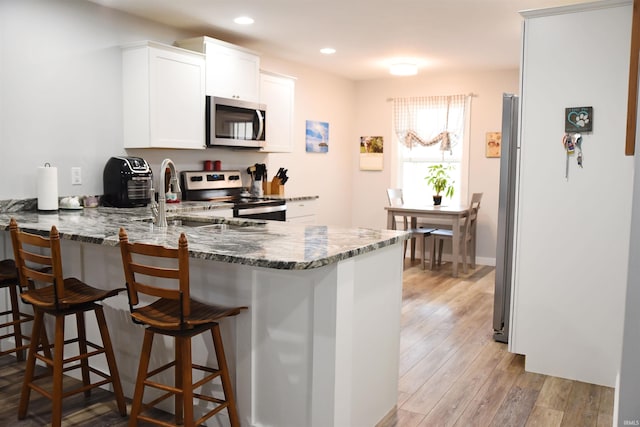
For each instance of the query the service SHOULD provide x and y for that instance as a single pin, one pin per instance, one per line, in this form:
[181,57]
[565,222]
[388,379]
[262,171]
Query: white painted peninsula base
[316,348]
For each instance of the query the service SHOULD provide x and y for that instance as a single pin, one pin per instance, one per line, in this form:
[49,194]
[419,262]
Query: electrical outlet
[76,176]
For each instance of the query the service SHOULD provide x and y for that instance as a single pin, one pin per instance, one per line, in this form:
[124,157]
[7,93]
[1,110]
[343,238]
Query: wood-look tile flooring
[452,373]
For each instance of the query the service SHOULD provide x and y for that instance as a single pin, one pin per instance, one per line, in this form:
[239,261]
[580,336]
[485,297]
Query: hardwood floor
[452,373]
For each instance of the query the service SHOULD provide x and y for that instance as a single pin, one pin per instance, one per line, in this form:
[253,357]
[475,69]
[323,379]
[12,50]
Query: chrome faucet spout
[174,186]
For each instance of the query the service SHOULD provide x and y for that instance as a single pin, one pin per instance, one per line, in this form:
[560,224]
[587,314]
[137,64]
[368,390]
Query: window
[430,130]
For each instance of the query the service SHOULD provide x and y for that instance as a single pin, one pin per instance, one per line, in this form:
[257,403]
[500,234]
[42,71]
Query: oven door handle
[260,210]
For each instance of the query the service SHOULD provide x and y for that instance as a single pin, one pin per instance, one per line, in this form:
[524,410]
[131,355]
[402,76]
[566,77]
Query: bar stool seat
[174,313]
[9,280]
[165,314]
[39,262]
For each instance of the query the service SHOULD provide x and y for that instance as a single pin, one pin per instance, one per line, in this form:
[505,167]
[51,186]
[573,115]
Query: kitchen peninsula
[319,345]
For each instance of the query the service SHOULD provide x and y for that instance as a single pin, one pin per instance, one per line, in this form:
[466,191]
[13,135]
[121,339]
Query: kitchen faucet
[159,210]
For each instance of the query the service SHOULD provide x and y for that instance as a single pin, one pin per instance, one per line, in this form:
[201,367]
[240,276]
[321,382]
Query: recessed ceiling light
[403,69]
[328,50]
[243,20]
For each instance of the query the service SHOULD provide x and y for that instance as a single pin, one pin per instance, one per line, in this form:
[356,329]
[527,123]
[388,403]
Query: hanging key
[570,149]
[578,143]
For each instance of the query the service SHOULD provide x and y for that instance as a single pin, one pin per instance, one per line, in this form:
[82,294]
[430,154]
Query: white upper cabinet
[277,93]
[232,71]
[163,96]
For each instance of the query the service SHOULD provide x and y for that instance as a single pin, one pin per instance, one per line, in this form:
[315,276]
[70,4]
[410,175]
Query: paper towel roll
[47,188]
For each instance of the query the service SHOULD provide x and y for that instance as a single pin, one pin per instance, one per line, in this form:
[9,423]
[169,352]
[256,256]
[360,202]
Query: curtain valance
[409,113]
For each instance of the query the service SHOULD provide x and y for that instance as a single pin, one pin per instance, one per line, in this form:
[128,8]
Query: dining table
[436,216]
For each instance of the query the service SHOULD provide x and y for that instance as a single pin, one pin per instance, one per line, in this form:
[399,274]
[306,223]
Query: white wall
[327,98]
[628,379]
[374,118]
[61,102]
[60,90]
[571,246]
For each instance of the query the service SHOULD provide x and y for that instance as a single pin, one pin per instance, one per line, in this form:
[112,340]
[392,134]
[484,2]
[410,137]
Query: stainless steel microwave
[234,123]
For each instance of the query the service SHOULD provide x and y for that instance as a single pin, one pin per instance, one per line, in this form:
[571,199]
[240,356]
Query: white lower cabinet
[163,96]
[302,211]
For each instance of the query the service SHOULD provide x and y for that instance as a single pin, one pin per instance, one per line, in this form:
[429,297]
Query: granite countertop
[270,244]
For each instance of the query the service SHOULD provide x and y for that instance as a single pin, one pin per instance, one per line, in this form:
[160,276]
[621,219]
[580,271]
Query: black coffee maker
[128,182]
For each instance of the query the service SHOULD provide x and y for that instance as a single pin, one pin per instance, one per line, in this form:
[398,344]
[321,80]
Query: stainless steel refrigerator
[506,215]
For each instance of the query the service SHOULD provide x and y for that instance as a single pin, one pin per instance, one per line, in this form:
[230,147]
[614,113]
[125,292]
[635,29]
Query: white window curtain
[429,120]
[431,130]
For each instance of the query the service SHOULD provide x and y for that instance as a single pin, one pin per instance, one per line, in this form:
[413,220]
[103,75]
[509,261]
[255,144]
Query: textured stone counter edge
[112,240]
[279,265]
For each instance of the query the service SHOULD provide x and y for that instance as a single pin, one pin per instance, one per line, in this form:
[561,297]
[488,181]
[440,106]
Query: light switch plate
[76,176]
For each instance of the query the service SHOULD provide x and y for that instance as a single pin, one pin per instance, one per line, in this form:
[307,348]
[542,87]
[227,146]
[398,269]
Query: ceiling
[367,34]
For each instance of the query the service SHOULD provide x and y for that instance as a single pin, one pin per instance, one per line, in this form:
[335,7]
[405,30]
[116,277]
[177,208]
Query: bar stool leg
[36,333]
[15,315]
[187,379]
[224,376]
[82,347]
[138,393]
[58,359]
[111,361]
[178,381]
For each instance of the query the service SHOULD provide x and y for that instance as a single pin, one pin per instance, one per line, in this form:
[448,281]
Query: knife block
[273,188]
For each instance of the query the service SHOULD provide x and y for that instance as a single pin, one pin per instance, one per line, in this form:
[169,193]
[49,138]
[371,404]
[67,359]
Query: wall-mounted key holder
[578,119]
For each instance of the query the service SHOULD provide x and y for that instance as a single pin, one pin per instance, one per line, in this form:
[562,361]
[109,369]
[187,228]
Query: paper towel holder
[47,189]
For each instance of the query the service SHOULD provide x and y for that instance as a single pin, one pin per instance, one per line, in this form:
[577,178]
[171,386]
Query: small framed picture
[494,144]
[317,137]
[578,119]
[371,153]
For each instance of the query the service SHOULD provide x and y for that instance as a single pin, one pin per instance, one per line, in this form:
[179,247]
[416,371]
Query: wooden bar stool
[60,297]
[175,314]
[9,280]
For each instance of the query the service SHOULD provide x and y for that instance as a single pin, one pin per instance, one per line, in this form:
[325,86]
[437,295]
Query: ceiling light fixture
[243,20]
[403,69]
[327,51]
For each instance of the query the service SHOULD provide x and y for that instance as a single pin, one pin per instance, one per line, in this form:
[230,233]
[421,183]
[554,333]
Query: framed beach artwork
[371,153]
[317,137]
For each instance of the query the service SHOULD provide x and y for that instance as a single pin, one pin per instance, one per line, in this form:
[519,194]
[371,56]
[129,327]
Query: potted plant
[441,182]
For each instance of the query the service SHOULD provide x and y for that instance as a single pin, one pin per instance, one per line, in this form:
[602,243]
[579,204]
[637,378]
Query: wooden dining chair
[39,264]
[169,310]
[467,236]
[395,198]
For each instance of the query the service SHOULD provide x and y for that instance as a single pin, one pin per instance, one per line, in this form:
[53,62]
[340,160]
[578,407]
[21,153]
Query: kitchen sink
[210,225]
[205,225]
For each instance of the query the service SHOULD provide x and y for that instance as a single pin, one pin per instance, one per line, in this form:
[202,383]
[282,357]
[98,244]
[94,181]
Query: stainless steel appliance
[234,123]
[127,182]
[506,214]
[226,186]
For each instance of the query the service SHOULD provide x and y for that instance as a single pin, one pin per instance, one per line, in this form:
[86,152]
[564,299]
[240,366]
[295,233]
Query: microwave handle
[261,128]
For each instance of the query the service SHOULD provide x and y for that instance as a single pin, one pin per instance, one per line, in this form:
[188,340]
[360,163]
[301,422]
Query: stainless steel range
[226,186]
